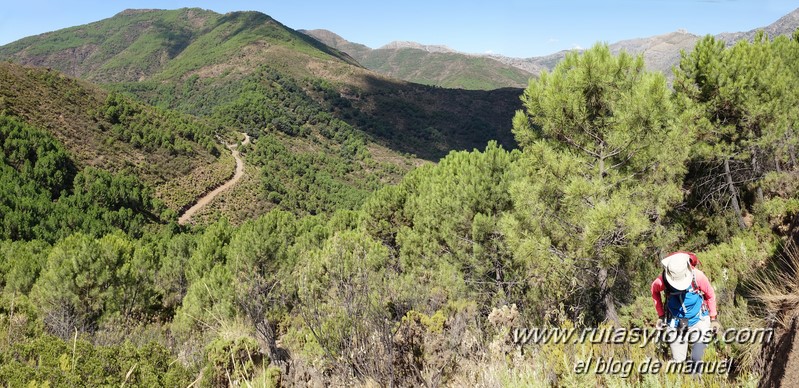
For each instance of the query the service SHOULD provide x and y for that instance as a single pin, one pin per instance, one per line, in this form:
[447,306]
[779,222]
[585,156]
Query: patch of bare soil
[781,359]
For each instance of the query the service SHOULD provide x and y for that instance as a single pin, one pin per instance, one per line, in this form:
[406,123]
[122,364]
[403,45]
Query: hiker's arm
[703,283]
[657,288]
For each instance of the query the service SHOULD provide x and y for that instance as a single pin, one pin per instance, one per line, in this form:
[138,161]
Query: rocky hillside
[660,52]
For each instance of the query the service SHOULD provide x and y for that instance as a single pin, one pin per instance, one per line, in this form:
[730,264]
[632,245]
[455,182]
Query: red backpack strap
[695,286]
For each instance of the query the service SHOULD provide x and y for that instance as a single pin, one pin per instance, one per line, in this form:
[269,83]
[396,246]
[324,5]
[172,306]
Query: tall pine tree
[602,163]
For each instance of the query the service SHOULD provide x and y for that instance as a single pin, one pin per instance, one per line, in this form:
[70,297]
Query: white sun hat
[678,270]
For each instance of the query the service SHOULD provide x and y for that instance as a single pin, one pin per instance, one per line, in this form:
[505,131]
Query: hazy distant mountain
[443,66]
[533,65]
[660,52]
[785,25]
[663,51]
[430,64]
[401,44]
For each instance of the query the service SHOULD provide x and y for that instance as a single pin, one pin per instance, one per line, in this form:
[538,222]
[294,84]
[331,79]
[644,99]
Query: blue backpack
[687,305]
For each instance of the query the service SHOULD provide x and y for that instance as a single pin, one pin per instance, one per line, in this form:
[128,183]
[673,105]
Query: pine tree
[602,162]
[744,101]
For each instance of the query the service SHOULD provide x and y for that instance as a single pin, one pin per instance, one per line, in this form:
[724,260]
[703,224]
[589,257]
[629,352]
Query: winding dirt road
[207,198]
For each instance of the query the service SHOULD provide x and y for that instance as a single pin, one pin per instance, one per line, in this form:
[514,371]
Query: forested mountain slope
[174,155]
[195,60]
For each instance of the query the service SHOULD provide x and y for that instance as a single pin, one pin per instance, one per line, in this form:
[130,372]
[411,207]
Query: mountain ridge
[785,25]
[136,43]
[175,46]
[660,52]
[404,44]
[429,64]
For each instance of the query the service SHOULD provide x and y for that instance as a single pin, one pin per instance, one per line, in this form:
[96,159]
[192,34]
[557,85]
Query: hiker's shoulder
[658,282]
[700,276]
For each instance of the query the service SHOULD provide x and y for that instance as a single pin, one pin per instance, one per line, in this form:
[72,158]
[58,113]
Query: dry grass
[779,290]
[240,203]
[184,190]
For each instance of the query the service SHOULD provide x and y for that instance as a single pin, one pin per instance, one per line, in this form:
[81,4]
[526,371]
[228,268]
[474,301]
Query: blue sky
[515,28]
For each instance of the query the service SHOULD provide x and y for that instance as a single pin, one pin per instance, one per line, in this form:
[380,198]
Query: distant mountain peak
[793,14]
[680,39]
[329,38]
[401,44]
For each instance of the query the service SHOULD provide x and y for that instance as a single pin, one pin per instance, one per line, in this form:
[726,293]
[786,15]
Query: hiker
[689,315]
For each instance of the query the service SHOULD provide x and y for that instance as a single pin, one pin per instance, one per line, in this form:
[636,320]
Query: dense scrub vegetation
[421,282]
[131,124]
[113,132]
[43,196]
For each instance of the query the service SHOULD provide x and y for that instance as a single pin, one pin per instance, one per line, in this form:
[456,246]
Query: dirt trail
[207,198]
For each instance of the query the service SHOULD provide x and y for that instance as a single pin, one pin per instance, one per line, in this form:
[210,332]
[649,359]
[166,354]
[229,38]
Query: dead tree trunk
[756,170]
[607,297]
[733,194]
